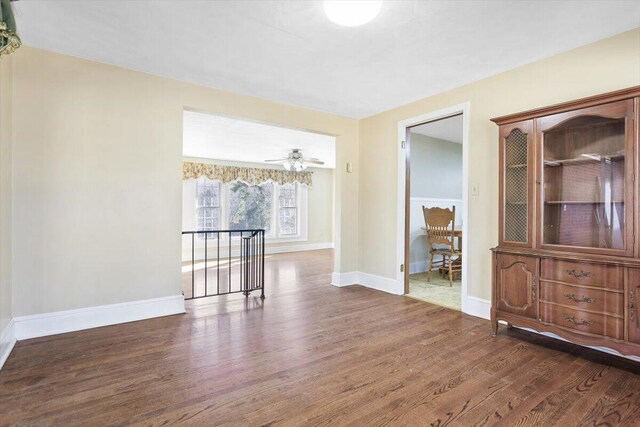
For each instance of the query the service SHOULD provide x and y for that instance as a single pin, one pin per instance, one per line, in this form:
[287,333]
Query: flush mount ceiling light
[351,13]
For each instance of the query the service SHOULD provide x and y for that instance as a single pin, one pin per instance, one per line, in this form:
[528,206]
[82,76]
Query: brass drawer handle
[573,297]
[578,275]
[583,322]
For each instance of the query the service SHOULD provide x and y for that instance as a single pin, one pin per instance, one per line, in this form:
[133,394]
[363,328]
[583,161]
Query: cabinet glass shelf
[583,183]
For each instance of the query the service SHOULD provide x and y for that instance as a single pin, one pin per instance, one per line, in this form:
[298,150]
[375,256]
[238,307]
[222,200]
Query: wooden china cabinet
[568,259]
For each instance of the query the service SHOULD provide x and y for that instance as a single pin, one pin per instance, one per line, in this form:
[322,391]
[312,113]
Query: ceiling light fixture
[295,162]
[351,13]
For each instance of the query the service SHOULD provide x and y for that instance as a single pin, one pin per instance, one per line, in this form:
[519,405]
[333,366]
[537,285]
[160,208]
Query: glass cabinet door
[516,151]
[586,166]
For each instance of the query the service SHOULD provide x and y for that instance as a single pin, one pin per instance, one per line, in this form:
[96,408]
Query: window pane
[208,193]
[288,213]
[208,205]
[288,221]
[250,206]
[287,196]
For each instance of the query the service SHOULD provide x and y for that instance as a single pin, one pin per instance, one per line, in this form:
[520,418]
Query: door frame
[404,193]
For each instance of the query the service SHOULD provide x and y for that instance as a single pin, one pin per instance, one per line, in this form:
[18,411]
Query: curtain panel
[251,176]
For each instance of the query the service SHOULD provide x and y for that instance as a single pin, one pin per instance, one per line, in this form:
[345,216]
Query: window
[250,206]
[207,204]
[288,210]
[281,210]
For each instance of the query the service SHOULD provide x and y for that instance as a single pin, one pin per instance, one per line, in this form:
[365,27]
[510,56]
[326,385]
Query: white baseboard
[7,341]
[345,279]
[381,283]
[59,322]
[476,307]
[418,267]
[368,280]
[268,250]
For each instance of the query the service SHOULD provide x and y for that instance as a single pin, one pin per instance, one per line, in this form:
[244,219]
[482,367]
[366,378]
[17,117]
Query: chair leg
[430,267]
[445,262]
[450,272]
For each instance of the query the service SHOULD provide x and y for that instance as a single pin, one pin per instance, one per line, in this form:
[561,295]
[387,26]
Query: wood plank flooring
[314,354]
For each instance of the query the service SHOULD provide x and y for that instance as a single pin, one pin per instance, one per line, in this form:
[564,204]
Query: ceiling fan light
[287,165]
[351,13]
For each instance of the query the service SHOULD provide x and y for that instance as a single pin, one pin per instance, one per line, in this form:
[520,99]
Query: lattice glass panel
[515,187]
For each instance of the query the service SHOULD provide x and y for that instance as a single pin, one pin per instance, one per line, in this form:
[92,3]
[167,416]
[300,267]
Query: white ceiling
[289,52]
[224,138]
[449,129]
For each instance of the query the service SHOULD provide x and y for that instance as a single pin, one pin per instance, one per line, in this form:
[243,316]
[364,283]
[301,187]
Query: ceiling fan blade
[275,160]
[314,161]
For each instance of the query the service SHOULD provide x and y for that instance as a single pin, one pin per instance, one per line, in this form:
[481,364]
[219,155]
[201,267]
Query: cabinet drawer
[584,321]
[581,297]
[584,273]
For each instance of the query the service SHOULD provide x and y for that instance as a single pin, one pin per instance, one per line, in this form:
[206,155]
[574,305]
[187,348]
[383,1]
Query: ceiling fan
[295,161]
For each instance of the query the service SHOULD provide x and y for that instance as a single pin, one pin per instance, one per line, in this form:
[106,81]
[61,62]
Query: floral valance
[252,176]
[9,40]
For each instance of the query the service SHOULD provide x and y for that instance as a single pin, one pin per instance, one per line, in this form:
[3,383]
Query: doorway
[433,172]
[258,202]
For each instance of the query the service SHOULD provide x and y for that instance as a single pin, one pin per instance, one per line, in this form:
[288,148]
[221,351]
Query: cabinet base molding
[620,348]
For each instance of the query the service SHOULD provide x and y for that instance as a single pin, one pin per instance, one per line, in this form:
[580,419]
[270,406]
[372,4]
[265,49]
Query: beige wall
[6,99]
[436,168]
[604,66]
[83,133]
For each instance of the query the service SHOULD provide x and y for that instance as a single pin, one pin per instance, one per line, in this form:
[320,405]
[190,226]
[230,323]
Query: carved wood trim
[531,296]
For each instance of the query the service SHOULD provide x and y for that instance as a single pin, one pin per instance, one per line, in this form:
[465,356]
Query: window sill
[268,240]
[287,239]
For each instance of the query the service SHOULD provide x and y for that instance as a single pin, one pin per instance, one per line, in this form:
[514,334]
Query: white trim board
[297,248]
[372,281]
[7,341]
[419,267]
[268,250]
[477,307]
[60,322]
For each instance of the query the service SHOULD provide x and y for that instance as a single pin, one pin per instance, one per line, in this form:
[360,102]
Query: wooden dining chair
[439,225]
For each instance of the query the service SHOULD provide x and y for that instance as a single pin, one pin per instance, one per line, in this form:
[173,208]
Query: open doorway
[258,205]
[433,173]
[435,158]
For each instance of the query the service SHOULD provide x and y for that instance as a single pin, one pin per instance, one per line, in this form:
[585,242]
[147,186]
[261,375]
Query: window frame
[220,206]
[274,190]
[275,236]
[297,189]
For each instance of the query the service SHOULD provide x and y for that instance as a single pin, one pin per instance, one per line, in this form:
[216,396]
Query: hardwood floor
[314,354]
